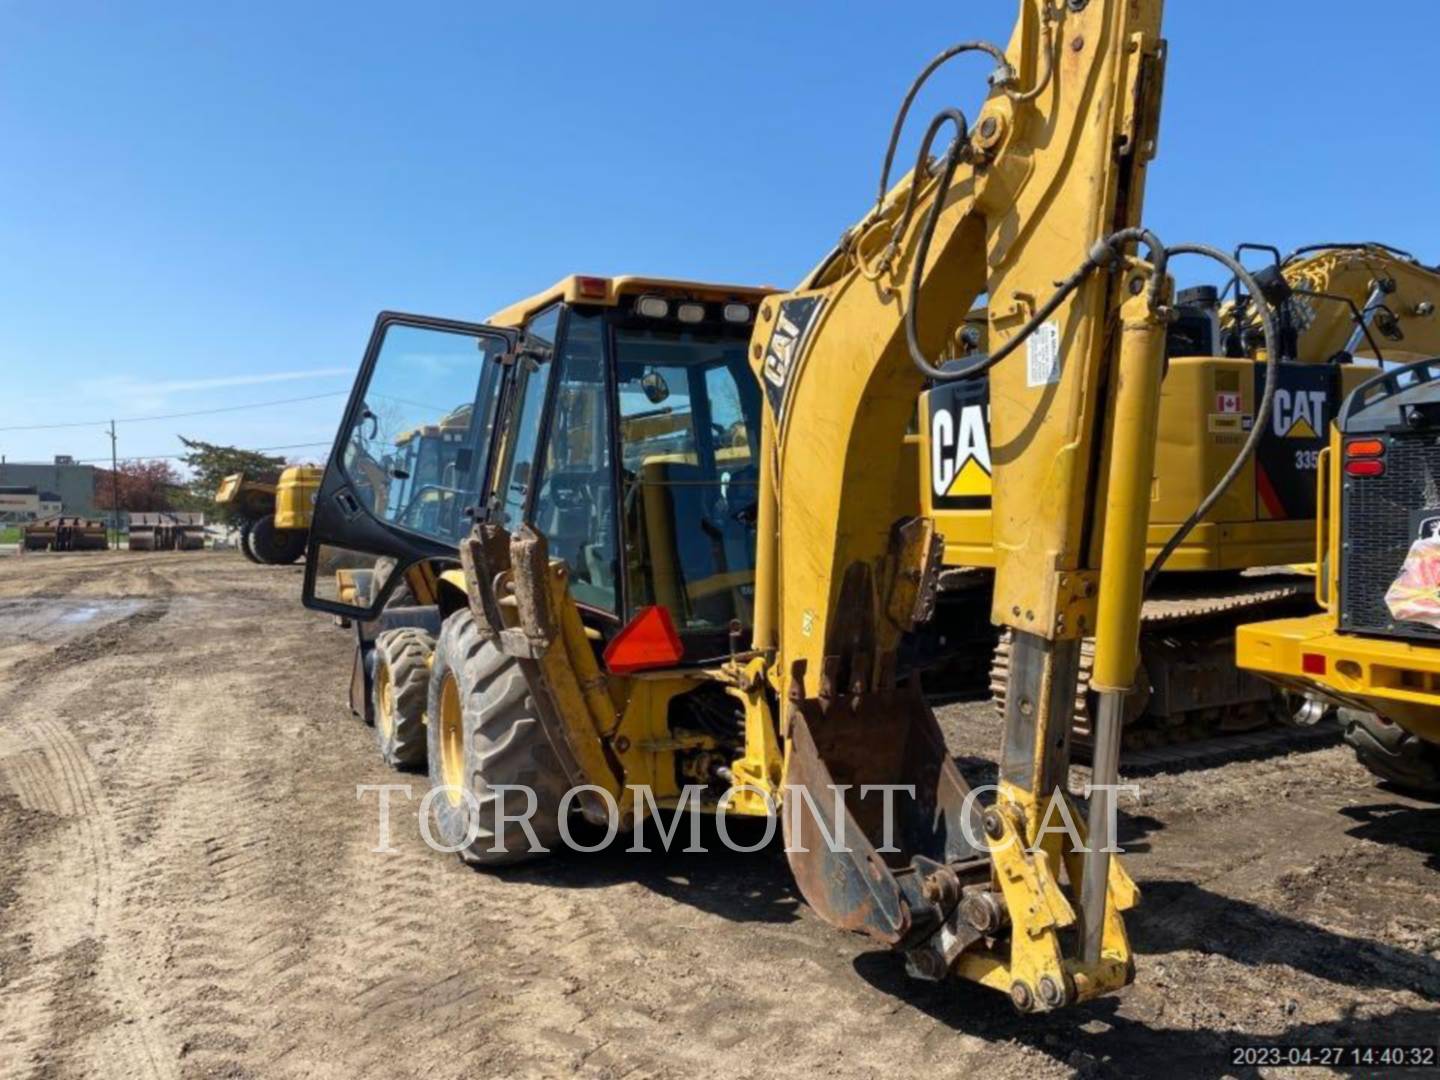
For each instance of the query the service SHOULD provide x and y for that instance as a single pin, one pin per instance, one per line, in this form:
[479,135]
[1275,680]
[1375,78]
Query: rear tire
[1394,755]
[401,690]
[247,540]
[276,547]
[484,732]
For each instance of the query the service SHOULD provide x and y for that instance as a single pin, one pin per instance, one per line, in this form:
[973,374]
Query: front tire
[401,688]
[484,732]
[1393,754]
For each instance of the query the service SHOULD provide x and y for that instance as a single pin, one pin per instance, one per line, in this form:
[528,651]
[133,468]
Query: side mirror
[655,387]
[351,583]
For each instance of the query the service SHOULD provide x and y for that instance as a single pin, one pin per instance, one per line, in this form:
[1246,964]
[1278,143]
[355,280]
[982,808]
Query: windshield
[689,412]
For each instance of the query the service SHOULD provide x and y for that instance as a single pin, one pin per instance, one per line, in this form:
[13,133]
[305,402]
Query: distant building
[63,482]
[28,504]
[19,504]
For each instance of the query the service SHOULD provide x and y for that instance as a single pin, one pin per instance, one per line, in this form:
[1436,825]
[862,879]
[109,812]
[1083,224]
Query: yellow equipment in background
[1374,649]
[273,515]
[1341,310]
[61,533]
[295,497]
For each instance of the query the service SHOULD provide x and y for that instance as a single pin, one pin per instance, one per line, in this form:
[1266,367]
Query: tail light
[1365,457]
[592,288]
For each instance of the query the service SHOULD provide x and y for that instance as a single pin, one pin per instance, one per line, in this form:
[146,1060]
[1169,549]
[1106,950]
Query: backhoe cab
[612,425]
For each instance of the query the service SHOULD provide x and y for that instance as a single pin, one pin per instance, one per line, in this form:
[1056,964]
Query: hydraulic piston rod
[1122,571]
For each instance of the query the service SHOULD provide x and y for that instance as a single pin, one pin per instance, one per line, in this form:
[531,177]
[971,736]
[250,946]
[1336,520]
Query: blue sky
[205,204]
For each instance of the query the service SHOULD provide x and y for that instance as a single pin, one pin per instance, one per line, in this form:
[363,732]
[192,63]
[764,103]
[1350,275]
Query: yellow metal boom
[1055,162]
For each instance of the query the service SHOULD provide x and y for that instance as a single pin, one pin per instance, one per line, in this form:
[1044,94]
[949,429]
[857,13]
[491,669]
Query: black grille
[1379,521]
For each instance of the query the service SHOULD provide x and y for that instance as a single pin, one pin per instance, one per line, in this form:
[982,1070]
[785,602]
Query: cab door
[373,518]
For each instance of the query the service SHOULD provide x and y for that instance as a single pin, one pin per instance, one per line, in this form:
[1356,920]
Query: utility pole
[114,486]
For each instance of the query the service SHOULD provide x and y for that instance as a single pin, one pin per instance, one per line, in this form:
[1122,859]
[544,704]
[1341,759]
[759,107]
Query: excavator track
[1192,703]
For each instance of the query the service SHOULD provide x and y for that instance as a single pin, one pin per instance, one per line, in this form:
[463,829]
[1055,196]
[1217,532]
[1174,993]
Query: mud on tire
[400,689]
[484,732]
[1393,754]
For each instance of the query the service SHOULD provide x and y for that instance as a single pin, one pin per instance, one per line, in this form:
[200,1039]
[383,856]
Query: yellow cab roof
[607,292]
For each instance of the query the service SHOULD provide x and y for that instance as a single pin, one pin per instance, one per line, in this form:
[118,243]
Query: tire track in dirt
[213,862]
[81,905]
[76,897]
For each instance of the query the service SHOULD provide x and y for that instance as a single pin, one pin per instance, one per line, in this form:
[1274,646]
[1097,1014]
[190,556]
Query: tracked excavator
[1341,311]
[690,551]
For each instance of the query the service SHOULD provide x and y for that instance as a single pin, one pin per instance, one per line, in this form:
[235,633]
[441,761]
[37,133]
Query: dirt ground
[188,888]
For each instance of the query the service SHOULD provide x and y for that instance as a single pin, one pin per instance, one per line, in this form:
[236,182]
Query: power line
[178,457]
[175,416]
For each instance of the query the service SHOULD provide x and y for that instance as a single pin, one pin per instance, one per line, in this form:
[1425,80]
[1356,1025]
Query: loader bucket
[890,738]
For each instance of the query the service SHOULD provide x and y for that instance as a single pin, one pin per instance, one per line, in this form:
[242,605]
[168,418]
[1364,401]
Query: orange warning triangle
[1301,429]
[972,479]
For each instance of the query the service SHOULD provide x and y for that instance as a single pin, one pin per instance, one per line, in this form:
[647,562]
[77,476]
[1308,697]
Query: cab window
[532,382]
[575,503]
[417,446]
[688,434]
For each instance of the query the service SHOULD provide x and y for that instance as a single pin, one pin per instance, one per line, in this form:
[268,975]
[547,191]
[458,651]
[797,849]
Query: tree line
[159,485]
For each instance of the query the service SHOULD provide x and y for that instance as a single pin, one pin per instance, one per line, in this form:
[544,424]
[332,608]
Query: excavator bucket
[857,870]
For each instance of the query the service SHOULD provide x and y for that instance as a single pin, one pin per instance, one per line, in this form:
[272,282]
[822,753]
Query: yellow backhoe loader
[683,574]
[273,513]
[1341,310]
[1374,649]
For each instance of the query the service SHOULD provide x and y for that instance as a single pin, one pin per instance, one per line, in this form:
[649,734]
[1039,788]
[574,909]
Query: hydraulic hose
[1262,411]
[1102,254]
[1003,77]
[1003,72]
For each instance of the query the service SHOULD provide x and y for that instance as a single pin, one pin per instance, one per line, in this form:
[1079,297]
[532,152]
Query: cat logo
[787,341]
[960,453]
[1298,414]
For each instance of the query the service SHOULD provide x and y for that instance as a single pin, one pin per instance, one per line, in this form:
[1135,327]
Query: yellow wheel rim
[385,692]
[452,741]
